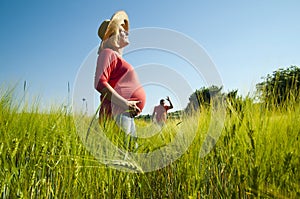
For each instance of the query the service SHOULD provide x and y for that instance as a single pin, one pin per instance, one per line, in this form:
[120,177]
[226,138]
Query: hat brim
[118,19]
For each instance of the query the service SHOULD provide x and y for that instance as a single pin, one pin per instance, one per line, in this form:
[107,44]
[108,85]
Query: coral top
[161,113]
[120,75]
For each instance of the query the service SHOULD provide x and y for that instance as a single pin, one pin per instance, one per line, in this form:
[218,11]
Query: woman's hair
[111,42]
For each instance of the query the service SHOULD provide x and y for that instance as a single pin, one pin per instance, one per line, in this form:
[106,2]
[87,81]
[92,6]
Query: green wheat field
[256,156]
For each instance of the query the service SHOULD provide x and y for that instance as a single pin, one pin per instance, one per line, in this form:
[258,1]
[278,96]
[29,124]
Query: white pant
[126,123]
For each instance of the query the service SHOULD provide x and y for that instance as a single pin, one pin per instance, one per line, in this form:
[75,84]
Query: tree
[281,86]
[202,97]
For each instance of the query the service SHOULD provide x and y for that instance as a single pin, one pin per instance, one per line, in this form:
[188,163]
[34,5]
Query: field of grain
[257,155]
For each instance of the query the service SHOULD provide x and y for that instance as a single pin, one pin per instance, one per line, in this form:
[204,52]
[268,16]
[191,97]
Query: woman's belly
[139,95]
[131,94]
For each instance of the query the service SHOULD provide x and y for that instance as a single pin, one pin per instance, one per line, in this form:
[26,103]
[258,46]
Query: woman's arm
[117,99]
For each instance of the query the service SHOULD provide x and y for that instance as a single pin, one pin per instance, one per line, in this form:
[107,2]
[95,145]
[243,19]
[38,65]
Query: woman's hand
[133,109]
[130,106]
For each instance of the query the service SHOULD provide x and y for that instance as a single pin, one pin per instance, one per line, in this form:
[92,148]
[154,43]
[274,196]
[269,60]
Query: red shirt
[161,113]
[120,75]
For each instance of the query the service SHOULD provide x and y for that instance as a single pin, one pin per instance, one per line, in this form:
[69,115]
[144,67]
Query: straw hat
[110,26]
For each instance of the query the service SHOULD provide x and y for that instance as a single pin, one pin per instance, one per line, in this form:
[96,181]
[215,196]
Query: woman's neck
[119,51]
[109,44]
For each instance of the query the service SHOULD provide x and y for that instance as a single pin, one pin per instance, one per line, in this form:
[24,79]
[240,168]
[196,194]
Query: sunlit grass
[257,155]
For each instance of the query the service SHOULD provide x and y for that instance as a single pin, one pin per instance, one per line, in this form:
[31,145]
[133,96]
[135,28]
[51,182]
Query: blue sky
[45,42]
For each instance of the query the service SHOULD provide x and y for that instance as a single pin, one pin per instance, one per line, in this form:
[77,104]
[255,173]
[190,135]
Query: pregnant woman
[122,96]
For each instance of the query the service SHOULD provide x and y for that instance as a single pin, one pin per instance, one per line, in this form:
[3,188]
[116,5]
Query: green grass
[257,155]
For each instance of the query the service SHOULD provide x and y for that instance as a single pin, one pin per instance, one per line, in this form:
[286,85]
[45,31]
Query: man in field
[159,114]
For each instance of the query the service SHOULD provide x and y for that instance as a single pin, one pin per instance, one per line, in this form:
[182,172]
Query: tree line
[276,89]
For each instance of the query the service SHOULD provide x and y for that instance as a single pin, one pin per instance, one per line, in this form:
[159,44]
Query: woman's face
[123,37]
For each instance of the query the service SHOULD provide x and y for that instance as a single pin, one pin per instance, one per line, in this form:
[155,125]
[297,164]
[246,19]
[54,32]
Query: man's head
[162,102]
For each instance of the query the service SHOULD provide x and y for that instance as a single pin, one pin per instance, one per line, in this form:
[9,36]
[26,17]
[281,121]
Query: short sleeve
[106,63]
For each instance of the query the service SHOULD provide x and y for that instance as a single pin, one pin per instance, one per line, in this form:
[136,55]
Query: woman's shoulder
[107,52]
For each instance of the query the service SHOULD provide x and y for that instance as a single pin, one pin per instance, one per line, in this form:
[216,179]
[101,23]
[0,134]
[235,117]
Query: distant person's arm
[171,105]
[153,114]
